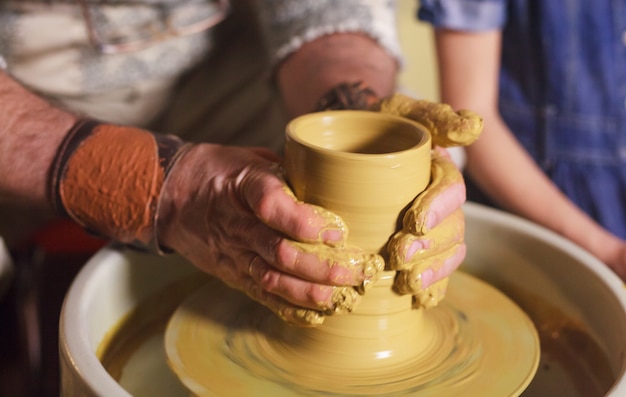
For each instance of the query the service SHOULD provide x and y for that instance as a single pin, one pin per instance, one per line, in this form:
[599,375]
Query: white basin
[525,261]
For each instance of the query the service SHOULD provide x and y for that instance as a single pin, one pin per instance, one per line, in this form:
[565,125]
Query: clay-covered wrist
[348,96]
[108,178]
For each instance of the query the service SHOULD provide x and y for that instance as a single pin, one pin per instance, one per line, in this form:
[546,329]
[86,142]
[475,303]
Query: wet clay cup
[364,166]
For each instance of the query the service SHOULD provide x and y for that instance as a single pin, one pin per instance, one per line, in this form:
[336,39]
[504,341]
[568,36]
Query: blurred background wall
[419,76]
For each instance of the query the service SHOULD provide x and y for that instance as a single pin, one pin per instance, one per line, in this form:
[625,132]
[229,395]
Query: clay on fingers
[410,281]
[354,263]
[447,127]
[444,175]
[448,235]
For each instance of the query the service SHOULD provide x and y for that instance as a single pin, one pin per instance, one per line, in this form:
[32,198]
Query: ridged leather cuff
[109,179]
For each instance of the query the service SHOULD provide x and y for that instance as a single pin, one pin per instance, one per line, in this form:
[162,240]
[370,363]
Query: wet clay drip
[242,349]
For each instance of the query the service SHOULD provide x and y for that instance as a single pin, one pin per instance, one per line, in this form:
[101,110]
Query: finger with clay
[430,246]
[228,211]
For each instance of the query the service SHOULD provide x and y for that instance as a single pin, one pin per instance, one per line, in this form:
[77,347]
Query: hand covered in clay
[431,245]
[229,212]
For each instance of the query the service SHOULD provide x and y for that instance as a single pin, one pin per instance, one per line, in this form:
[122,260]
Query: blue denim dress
[562,89]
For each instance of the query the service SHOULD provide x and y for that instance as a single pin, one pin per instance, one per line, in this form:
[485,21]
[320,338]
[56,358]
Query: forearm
[106,177]
[317,44]
[497,162]
[309,73]
[31,130]
[522,187]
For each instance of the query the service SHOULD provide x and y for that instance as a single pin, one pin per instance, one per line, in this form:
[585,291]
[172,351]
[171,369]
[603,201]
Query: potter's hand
[228,211]
[431,245]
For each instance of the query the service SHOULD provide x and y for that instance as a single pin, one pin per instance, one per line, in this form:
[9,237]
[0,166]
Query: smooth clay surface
[364,166]
[477,342]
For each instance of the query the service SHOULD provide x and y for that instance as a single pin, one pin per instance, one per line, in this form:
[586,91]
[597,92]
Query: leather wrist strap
[109,179]
[348,96]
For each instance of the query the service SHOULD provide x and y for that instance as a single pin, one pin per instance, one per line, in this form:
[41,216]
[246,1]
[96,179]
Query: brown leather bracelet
[348,96]
[109,179]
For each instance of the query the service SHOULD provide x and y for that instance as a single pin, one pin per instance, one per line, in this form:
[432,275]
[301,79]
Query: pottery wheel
[477,342]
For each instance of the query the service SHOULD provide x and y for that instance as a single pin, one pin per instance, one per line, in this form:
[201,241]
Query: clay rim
[326,117]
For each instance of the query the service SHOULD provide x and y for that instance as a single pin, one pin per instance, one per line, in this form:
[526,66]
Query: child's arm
[469,68]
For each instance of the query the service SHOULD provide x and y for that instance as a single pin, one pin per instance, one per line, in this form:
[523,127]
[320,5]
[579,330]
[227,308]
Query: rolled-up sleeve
[291,23]
[467,15]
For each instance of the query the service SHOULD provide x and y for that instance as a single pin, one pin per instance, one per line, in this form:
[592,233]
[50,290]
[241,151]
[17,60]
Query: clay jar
[366,167]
